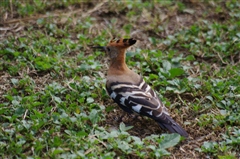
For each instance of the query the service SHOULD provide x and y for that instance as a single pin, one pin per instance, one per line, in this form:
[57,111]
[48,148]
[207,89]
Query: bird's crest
[123,43]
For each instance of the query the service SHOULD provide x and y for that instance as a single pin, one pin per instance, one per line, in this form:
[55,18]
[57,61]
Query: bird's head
[116,46]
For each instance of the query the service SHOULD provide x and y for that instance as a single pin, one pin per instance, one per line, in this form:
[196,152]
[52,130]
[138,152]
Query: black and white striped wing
[138,98]
[143,100]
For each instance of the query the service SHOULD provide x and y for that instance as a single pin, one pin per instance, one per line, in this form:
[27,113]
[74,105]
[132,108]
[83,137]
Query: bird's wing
[137,97]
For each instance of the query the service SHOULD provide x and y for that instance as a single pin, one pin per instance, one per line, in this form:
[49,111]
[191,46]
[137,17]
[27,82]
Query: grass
[52,98]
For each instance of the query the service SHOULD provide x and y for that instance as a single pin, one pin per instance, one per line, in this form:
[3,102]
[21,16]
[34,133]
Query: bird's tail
[166,122]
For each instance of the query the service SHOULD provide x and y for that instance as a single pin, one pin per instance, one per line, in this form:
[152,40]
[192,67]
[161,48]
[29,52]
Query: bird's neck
[118,65]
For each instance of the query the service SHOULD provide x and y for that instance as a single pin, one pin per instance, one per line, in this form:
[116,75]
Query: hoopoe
[131,92]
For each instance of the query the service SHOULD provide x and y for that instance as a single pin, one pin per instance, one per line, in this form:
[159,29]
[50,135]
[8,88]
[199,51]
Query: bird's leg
[133,117]
[120,119]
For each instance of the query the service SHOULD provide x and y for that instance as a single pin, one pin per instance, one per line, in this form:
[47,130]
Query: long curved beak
[100,48]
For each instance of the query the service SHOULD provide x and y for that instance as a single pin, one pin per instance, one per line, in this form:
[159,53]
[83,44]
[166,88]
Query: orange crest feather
[123,43]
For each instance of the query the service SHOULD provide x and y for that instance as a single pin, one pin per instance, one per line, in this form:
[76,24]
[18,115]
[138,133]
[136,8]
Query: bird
[130,91]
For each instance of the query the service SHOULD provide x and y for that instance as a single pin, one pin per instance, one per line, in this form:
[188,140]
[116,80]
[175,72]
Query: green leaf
[82,134]
[57,141]
[14,81]
[123,127]
[176,72]
[20,111]
[210,98]
[190,58]
[169,140]
[93,116]
[166,65]
[57,151]
[90,100]
[109,109]
[227,157]
[161,152]
[124,146]
[57,99]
